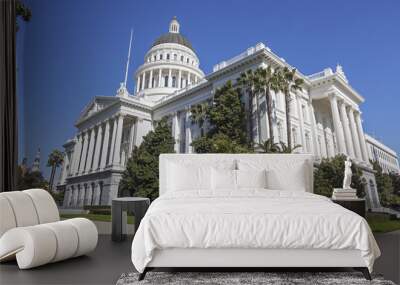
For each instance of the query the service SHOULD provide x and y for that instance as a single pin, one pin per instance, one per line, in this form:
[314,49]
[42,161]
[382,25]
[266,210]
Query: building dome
[170,64]
[173,38]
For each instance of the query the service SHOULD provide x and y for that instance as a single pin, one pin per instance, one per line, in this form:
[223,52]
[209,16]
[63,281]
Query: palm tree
[268,80]
[287,149]
[198,115]
[269,146]
[247,81]
[56,158]
[288,83]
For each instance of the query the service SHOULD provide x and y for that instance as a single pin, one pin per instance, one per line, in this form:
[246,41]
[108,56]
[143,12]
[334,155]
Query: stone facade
[326,117]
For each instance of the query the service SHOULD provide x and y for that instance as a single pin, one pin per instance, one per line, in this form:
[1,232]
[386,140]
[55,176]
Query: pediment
[95,106]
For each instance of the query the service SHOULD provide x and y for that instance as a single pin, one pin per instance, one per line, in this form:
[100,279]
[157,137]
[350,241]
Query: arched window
[167,56]
[175,56]
[161,56]
[154,58]
[166,81]
[187,60]
[174,81]
[182,58]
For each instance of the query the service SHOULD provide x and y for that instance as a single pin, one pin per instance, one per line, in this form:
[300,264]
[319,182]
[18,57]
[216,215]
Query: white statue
[347,174]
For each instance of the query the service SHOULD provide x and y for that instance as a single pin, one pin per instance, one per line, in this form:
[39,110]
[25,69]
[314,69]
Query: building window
[166,81]
[174,81]
[175,56]
[187,60]
[161,56]
[308,144]
[167,56]
[154,58]
[182,58]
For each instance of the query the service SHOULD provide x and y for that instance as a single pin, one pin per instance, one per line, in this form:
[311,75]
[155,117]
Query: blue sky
[74,50]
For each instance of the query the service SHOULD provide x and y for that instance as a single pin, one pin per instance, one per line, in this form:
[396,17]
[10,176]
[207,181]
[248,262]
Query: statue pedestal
[344,194]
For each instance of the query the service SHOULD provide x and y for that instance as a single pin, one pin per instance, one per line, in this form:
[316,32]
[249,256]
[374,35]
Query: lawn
[94,217]
[381,223]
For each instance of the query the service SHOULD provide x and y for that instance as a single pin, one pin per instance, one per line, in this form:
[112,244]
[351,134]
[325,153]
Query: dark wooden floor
[110,260]
[103,266]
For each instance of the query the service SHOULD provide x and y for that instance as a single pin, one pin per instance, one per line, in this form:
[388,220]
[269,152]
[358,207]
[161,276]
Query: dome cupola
[170,64]
[174,26]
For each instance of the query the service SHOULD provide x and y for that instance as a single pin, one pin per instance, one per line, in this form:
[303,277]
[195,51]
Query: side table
[119,210]
[355,205]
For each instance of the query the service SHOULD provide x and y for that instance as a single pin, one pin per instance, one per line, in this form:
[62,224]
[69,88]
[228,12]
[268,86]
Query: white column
[96,157]
[114,133]
[179,79]
[89,194]
[81,200]
[361,137]
[75,194]
[302,130]
[84,152]
[354,133]
[188,132]
[77,155]
[106,139]
[314,130]
[151,79]
[96,193]
[65,164]
[324,142]
[90,150]
[346,128]
[142,128]
[170,77]
[138,84]
[132,134]
[160,78]
[175,131]
[337,124]
[118,138]
[143,80]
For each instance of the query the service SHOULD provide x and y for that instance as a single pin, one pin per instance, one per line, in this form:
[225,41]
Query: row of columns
[348,130]
[84,194]
[181,122]
[183,79]
[92,150]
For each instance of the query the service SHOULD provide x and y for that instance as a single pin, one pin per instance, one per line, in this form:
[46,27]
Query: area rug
[244,278]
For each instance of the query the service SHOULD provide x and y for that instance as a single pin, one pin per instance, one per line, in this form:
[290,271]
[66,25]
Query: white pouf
[31,232]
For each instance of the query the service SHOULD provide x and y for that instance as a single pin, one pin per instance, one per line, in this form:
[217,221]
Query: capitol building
[326,117]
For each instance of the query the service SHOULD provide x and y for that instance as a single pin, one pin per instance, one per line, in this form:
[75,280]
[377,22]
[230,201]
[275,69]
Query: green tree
[198,115]
[287,83]
[395,177]
[267,81]
[384,186]
[226,116]
[329,174]
[140,177]
[247,82]
[55,160]
[269,146]
[30,179]
[23,12]
[288,149]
